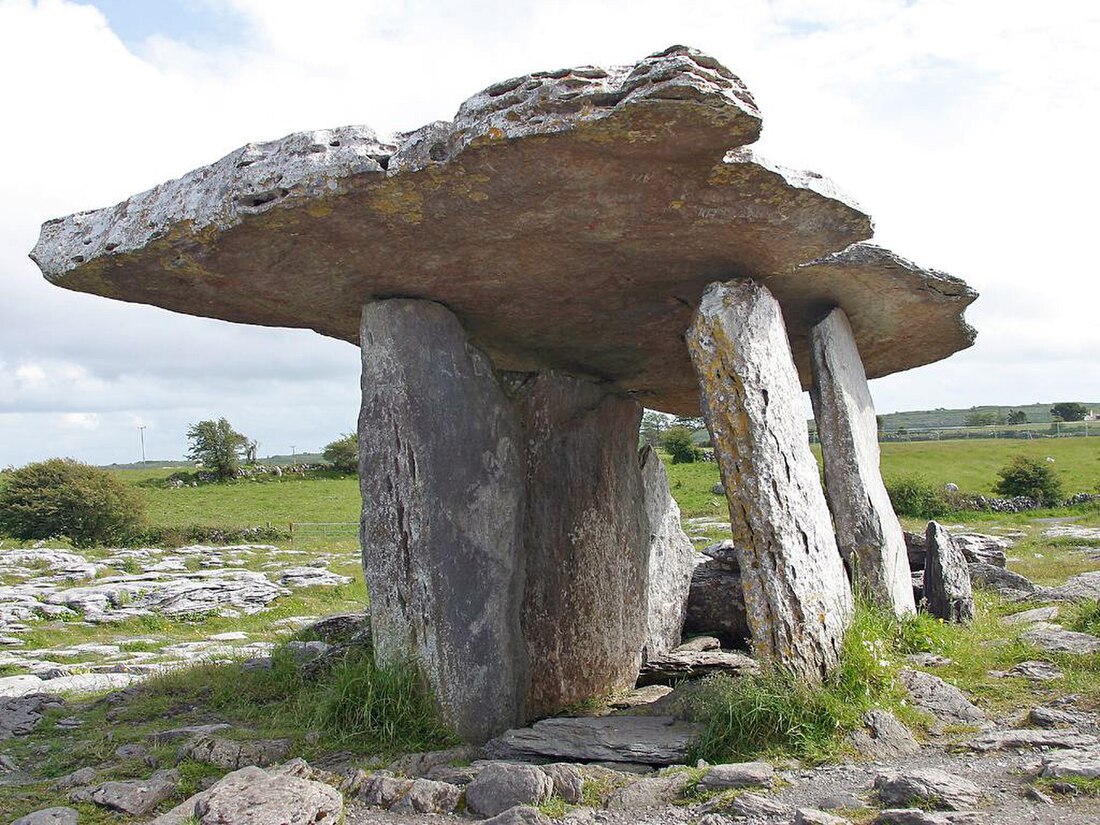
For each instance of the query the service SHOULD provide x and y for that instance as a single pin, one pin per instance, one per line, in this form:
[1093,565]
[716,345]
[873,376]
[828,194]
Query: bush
[343,454]
[1024,476]
[678,443]
[916,497]
[62,497]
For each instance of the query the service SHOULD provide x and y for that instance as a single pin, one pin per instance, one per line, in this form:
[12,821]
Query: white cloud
[965,128]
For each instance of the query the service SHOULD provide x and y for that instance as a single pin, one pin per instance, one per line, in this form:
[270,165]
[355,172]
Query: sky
[966,128]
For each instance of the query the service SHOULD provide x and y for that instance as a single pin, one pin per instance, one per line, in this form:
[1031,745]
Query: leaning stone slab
[671,559]
[797,595]
[649,740]
[1054,638]
[947,589]
[868,532]
[927,786]
[442,485]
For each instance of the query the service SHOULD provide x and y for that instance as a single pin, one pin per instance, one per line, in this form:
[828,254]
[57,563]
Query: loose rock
[502,785]
[929,786]
[49,816]
[946,578]
[944,701]
[883,737]
[649,740]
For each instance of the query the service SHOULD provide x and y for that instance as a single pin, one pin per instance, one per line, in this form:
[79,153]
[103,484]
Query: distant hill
[925,419]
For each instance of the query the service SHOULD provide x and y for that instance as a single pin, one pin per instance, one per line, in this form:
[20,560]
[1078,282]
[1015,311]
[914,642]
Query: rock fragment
[501,785]
[649,740]
[928,786]
[946,578]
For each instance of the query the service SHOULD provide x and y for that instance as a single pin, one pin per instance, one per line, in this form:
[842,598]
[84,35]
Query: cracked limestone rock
[797,597]
[947,578]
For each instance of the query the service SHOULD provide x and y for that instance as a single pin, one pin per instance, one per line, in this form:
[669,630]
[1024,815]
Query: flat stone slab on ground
[941,699]
[1056,639]
[1025,738]
[650,740]
[49,816]
[677,665]
[930,786]
[1083,762]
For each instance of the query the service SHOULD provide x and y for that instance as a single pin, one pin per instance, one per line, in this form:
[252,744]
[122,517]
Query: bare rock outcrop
[947,589]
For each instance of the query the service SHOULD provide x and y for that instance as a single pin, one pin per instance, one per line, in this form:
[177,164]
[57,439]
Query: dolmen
[574,246]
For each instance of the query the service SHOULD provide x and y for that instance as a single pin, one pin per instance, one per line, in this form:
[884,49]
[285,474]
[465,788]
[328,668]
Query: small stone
[1038,614]
[232,754]
[519,815]
[883,737]
[751,805]
[1034,670]
[49,816]
[928,786]
[651,792]
[1052,717]
[1037,795]
[383,790]
[738,775]
[137,753]
[78,778]
[568,781]
[175,734]
[915,816]
[427,797]
[928,659]
[944,701]
[503,785]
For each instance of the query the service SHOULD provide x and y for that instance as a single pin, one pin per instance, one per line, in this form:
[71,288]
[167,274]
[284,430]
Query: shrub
[916,497]
[218,446]
[62,497]
[678,443]
[343,454]
[1024,476]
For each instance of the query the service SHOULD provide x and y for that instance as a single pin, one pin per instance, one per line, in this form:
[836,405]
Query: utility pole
[141,430]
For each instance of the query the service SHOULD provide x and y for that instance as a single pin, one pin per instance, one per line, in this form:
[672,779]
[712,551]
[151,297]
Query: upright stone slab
[586,541]
[867,529]
[947,589]
[797,595]
[441,472]
[671,559]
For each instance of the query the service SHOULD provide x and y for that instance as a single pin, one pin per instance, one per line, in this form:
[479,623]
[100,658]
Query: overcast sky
[967,128]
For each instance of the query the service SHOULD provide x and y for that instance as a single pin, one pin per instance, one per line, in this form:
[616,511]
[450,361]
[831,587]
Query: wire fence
[1051,429]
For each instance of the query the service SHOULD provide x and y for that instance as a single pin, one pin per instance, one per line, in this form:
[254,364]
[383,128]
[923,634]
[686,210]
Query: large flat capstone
[570,219]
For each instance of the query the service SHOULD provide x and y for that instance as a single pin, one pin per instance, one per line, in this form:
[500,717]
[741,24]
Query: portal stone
[586,541]
[671,559]
[797,595]
[441,472]
[947,587]
[867,529]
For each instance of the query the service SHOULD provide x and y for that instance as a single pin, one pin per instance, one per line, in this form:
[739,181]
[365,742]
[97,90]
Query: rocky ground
[1023,746]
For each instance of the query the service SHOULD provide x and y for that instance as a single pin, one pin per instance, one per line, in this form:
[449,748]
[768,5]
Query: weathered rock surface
[797,597]
[978,548]
[1084,762]
[1081,586]
[947,589]
[663,136]
[136,797]
[1038,614]
[586,542]
[916,816]
[650,792]
[883,737]
[442,484]
[944,701]
[255,795]
[519,815]
[671,559]
[1023,738]
[1054,638]
[754,806]
[651,740]
[928,786]
[49,816]
[21,714]
[716,603]
[1009,584]
[738,775]
[1036,671]
[868,532]
[677,665]
[502,785]
[232,754]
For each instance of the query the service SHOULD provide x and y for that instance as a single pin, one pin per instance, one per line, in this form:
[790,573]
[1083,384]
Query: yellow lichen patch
[677,204]
[399,200]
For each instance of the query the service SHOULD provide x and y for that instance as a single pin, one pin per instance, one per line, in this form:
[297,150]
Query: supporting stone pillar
[441,472]
[868,531]
[586,542]
[671,559]
[797,595]
[504,530]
